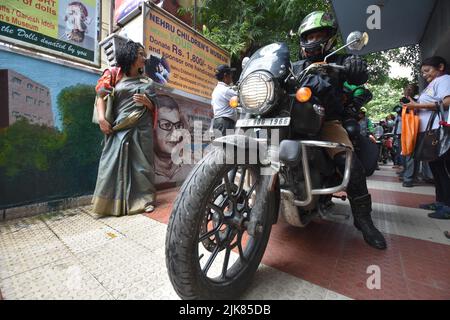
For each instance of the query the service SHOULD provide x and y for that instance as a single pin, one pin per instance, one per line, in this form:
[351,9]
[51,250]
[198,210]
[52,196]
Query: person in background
[125,181]
[366,125]
[158,69]
[387,141]
[434,71]
[424,173]
[397,132]
[224,116]
[390,122]
[410,92]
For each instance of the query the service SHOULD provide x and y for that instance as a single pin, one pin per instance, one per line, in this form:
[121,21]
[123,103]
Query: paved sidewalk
[77,255]
[74,254]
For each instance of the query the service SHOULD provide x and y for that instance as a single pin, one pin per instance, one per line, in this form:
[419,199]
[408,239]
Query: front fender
[244,149]
[241,141]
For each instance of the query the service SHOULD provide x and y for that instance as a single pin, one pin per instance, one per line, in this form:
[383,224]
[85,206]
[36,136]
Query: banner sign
[60,27]
[180,57]
[123,8]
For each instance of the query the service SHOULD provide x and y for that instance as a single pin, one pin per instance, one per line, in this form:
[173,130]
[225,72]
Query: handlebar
[336,66]
[388,135]
[301,76]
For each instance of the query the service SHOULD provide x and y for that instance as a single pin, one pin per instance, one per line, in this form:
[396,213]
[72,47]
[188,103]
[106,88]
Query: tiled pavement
[76,255]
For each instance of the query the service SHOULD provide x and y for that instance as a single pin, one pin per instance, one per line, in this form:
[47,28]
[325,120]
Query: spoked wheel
[219,229]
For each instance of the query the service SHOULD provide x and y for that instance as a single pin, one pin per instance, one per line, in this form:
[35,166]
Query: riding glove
[356,70]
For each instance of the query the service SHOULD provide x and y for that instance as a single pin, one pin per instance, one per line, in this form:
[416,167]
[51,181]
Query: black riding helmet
[316,21]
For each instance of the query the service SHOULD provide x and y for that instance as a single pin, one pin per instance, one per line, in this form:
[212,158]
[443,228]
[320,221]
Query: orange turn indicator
[234,102]
[303,94]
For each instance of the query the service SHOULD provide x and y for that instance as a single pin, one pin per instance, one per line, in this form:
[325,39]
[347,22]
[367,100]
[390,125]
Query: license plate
[264,122]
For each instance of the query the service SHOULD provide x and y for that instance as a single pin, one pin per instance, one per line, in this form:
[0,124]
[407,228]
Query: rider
[366,125]
[318,32]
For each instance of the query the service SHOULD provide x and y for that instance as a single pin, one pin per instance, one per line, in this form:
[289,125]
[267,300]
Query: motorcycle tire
[192,208]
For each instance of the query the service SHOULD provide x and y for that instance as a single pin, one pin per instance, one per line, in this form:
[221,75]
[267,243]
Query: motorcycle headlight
[257,92]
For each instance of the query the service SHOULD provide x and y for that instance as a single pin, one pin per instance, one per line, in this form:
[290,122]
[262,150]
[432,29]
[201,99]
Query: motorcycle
[223,215]
[385,142]
[388,148]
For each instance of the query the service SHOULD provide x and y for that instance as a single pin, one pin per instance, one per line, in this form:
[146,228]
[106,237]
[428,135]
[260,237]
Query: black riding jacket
[328,87]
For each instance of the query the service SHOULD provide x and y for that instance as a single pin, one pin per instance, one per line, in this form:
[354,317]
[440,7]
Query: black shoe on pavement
[361,208]
[407,184]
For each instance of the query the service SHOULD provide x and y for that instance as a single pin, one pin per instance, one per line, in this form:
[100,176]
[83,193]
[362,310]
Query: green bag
[109,109]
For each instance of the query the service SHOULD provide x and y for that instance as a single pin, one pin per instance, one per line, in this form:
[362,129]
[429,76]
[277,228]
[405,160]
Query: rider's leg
[360,201]
[357,192]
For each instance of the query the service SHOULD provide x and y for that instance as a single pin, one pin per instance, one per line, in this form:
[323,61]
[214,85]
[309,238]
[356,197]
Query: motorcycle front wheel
[210,253]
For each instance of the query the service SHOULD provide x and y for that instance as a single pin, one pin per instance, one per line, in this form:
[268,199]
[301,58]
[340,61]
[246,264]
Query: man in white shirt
[224,116]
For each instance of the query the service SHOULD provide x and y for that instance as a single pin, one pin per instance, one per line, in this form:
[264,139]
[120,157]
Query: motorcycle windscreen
[367,153]
[274,58]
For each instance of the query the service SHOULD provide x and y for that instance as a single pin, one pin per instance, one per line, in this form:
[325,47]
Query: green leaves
[76,103]
[407,57]
[379,63]
[385,97]
[241,27]
[25,146]
[38,163]
[378,66]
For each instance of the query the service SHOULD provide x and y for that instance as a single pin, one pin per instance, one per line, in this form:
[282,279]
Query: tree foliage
[82,137]
[243,26]
[38,163]
[385,97]
[387,91]
[379,63]
[378,66]
[25,146]
[407,57]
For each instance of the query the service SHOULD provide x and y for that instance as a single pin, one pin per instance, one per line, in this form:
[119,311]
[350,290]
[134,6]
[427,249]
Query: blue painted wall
[54,76]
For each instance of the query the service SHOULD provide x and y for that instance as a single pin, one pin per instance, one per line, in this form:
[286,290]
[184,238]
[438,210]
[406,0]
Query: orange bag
[410,130]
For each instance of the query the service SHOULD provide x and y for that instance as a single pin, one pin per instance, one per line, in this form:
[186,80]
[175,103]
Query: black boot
[361,208]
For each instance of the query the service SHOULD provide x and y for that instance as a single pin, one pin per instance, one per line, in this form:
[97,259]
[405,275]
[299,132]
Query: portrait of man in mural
[169,139]
[158,69]
[76,20]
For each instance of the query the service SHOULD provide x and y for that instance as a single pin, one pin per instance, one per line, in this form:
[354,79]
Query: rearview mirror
[357,40]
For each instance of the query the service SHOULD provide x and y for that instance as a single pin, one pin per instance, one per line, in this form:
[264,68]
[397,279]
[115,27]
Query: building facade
[21,97]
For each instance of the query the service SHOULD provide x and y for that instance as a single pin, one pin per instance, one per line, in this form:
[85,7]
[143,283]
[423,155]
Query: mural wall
[48,146]
[180,137]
